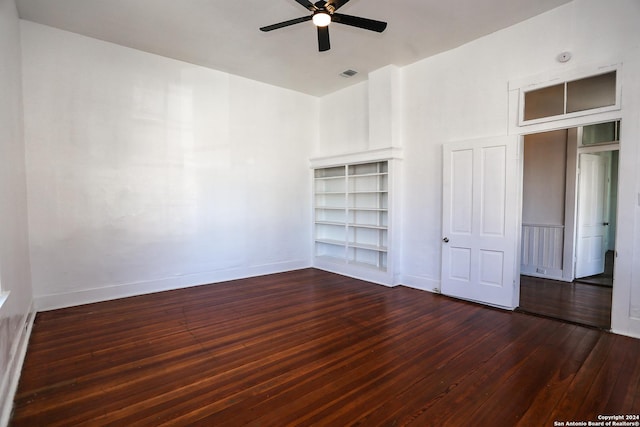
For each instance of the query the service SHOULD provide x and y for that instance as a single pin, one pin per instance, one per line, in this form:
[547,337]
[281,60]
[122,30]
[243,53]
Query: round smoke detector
[564,57]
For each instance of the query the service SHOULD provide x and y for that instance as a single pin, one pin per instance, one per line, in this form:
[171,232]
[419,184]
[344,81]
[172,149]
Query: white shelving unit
[352,215]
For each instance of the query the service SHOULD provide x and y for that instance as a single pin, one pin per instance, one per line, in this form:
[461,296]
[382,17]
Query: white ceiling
[224,35]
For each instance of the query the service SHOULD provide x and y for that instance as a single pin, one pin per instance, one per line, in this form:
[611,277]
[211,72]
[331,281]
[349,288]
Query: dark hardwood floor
[313,348]
[586,304]
[606,277]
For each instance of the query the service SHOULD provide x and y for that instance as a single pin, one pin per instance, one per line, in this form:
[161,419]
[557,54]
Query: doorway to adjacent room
[569,223]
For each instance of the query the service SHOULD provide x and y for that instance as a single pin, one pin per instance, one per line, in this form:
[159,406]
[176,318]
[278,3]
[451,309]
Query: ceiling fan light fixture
[323,12]
[321,19]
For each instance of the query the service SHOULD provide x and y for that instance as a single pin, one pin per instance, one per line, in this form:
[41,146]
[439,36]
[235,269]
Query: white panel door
[479,220]
[592,225]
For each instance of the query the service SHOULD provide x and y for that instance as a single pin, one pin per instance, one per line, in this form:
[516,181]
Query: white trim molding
[392,153]
[9,384]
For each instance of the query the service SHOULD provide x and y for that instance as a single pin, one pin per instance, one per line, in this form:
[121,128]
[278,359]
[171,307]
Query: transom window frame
[522,86]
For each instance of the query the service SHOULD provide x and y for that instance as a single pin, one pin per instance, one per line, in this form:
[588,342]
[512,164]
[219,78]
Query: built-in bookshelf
[352,214]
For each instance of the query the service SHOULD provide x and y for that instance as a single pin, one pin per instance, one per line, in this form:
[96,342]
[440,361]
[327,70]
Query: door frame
[603,148]
[571,185]
[573,152]
[620,323]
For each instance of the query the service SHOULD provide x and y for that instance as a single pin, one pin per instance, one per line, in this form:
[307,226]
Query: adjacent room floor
[309,347]
[576,302]
[586,301]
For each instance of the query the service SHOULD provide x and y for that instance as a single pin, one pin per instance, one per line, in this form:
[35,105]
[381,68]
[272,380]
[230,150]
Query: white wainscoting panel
[542,247]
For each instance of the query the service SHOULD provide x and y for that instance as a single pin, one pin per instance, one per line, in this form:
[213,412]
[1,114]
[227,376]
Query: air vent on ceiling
[348,73]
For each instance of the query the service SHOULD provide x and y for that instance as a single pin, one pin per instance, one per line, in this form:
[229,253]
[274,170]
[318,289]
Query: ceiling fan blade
[356,21]
[336,4]
[286,23]
[308,5]
[323,39]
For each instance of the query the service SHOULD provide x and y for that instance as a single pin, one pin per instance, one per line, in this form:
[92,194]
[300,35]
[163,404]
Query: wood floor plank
[522,385]
[570,406]
[398,380]
[381,341]
[607,384]
[470,392]
[443,366]
[563,372]
[576,302]
[290,365]
[397,360]
[626,392]
[309,347]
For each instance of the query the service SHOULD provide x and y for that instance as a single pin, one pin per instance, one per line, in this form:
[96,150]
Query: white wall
[463,94]
[147,173]
[344,121]
[627,268]
[14,254]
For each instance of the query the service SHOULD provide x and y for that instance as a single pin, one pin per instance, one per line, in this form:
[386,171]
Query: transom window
[601,133]
[570,98]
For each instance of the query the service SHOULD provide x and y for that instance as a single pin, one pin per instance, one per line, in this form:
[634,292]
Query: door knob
[446,240]
[605,223]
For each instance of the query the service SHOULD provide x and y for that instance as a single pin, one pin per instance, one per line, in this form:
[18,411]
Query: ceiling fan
[324,12]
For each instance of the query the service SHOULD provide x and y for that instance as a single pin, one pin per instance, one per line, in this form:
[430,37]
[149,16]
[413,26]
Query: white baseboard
[544,273]
[422,283]
[355,271]
[627,333]
[9,384]
[106,293]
